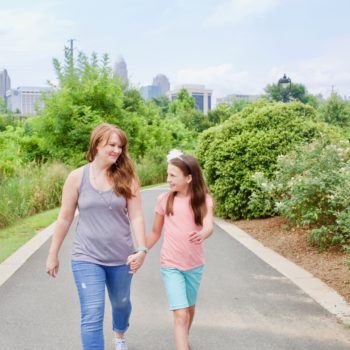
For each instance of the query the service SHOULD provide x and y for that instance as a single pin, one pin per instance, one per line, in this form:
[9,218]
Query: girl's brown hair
[197,187]
[122,172]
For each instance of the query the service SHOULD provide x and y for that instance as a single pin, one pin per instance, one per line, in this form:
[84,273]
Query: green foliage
[336,111]
[184,108]
[31,190]
[311,186]
[296,92]
[248,142]
[162,103]
[152,168]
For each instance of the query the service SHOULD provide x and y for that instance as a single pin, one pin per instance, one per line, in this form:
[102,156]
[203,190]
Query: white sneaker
[120,344]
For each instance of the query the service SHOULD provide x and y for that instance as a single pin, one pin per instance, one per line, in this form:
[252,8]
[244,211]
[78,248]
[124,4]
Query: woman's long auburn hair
[122,172]
[197,187]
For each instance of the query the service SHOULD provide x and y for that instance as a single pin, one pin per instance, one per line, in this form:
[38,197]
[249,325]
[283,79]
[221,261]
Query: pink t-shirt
[177,251]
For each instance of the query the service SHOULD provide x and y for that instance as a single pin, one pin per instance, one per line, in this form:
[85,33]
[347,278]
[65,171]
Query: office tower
[121,70]
[148,92]
[163,82]
[201,95]
[5,84]
[26,100]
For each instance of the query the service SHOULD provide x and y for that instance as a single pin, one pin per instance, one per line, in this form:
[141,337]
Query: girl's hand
[196,237]
[135,261]
[52,265]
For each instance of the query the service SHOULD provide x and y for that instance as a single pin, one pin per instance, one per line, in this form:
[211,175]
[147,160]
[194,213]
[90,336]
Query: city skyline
[230,46]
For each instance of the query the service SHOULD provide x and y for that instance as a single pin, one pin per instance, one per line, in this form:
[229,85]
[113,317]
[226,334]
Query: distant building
[121,69]
[150,91]
[201,95]
[237,97]
[5,84]
[26,100]
[162,81]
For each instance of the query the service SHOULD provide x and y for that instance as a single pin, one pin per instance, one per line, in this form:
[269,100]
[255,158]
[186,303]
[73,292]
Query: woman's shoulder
[75,176]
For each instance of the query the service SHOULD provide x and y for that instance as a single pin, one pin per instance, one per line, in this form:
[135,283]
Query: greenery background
[260,159]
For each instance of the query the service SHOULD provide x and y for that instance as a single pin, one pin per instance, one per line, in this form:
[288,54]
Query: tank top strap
[85,178]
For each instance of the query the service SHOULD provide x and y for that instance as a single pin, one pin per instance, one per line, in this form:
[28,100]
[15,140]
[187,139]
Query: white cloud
[28,39]
[30,30]
[235,11]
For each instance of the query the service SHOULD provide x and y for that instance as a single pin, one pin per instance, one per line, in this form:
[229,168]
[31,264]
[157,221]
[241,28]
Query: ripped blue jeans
[91,280]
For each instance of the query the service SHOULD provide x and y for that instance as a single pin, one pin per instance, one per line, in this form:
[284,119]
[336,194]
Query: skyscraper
[121,70]
[5,84]
[162,81]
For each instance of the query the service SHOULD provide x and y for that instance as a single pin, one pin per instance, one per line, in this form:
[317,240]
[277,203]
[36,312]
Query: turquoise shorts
[181,286]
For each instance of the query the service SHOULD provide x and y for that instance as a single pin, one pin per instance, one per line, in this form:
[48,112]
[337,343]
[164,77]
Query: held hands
[135,261]
[52,265]
[196,237]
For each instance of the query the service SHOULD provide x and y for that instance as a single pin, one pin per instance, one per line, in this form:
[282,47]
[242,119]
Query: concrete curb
[314,287]
[9,266]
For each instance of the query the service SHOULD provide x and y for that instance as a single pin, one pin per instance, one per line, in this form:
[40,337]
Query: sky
[230,46]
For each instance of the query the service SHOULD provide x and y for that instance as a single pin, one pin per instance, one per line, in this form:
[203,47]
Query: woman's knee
[92,319]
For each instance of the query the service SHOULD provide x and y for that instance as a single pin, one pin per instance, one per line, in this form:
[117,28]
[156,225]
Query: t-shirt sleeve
[160,205]
[209,200]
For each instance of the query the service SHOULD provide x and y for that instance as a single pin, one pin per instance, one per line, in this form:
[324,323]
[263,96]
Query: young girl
[186,212]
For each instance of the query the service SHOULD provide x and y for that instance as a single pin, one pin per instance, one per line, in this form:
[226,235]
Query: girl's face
[177,181]
[111,150]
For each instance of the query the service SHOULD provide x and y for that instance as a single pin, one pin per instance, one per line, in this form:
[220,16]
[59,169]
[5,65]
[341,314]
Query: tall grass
[35,188]
[32,189]
[151,170]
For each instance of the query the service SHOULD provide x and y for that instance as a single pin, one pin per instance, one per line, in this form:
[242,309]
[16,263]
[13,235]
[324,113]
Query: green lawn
[14,236]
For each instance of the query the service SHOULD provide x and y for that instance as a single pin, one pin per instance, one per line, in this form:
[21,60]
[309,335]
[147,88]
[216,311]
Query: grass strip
[14,236]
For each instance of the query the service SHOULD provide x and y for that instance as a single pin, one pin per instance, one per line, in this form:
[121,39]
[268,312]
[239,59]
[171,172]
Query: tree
[336,111]
[162,103]
[88,95]
[278,93]
[184,107]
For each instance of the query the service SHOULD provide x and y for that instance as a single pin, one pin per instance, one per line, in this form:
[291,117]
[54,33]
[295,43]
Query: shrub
[251,141]
[311,187]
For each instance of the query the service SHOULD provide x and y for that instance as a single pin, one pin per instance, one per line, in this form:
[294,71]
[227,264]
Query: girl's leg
[191,311]
[90,281]
[118,282]
[181,327]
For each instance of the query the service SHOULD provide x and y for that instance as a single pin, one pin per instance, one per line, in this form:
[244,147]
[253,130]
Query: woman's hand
[52,265]
[136,260]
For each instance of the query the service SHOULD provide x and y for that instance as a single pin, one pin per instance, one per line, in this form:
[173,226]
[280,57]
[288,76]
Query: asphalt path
[244,304]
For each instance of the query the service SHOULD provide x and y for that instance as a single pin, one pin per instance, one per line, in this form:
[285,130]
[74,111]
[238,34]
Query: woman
[106,192]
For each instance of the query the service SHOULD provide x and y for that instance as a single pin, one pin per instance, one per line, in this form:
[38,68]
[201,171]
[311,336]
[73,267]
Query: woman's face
[177,181]
[111,150]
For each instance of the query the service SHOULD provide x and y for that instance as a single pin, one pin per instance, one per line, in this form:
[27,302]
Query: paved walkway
[244,304]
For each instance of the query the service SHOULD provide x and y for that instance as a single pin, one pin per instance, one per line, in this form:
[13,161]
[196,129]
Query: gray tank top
[103,234]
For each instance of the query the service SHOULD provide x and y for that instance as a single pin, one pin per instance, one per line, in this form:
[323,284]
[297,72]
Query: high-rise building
[148,92]
[201,95]
[162,81]
[5,84]
[26,100]
[121,70]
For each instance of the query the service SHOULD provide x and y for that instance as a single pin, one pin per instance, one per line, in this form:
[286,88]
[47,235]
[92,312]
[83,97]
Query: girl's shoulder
[163,197]
[209,200]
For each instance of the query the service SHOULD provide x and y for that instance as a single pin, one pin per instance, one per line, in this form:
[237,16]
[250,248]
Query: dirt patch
[329,266]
